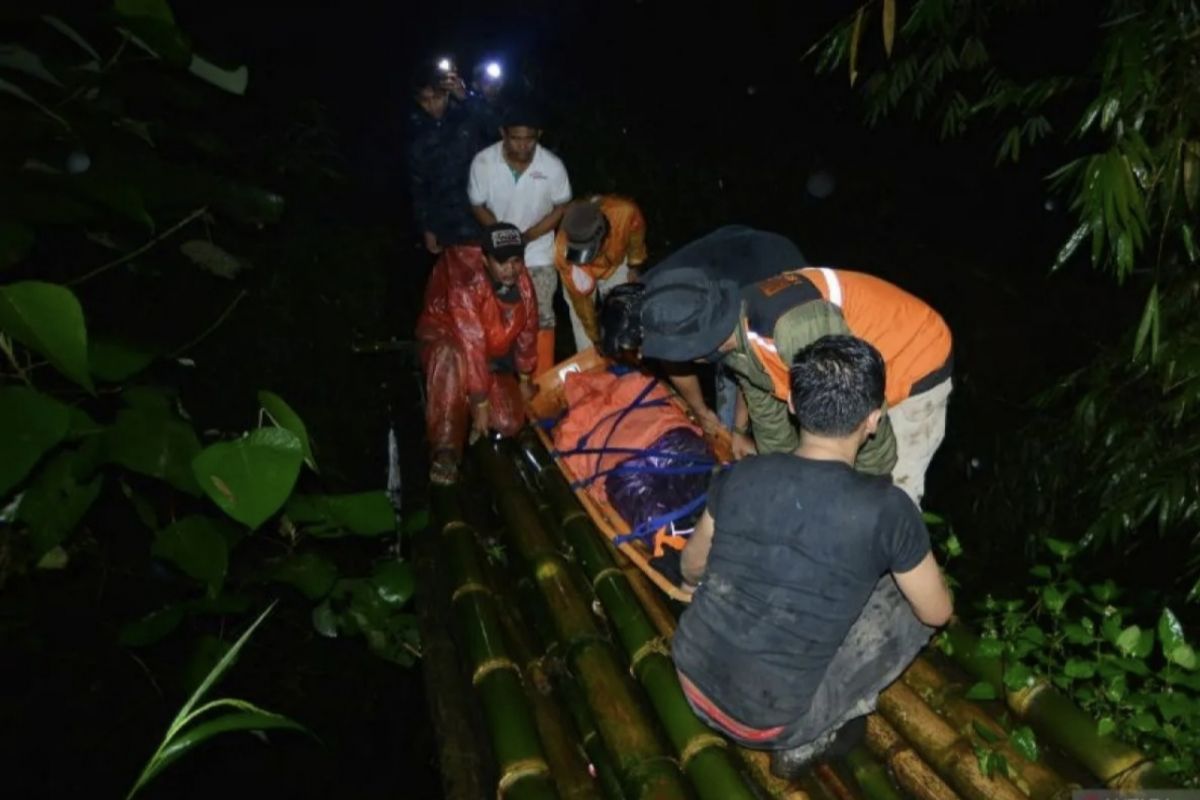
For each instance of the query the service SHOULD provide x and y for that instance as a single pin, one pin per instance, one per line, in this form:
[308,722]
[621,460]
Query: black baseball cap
[502,241]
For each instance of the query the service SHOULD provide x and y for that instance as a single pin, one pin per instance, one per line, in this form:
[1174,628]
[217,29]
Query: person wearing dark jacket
[445,135]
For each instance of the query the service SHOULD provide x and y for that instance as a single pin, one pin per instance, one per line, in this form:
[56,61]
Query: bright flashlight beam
[493,70]
[444,65]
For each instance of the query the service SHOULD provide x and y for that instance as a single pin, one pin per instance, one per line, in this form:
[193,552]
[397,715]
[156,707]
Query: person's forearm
[545,224]
[688,387]
[484,216]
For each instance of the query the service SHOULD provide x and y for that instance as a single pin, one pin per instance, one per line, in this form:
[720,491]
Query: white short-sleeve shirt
[521,200]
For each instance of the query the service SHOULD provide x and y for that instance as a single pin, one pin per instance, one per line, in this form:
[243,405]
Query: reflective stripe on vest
[833,286]
[768,355]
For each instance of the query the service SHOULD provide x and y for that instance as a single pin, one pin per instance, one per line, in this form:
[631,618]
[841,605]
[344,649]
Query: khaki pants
[582,340]
[919,424]
[545,283]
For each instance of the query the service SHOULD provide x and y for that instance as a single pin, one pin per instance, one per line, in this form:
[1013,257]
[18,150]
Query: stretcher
[549,404]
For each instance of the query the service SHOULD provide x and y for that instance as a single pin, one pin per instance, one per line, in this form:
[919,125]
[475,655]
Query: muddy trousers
[919,425]
[447,409]
[880,645]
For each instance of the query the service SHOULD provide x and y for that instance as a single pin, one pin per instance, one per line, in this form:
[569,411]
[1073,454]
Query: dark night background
[705,118]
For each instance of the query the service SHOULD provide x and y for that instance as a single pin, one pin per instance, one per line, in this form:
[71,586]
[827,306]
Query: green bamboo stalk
[534,611]
[524,772]
[946,697]
[916,778]
[1117,764]
[941,746]
[562,745]
[459,750]
[870,775]
[702,753]
[628,734]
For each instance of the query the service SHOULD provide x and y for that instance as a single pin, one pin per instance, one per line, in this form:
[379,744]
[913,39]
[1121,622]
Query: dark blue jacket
[439,161]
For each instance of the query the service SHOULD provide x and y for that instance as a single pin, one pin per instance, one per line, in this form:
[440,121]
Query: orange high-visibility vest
[913,339]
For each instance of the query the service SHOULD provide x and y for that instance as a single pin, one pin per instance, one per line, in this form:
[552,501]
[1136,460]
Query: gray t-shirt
[797,547]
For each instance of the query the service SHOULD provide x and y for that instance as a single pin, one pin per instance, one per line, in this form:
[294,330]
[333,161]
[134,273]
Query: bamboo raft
[549,672]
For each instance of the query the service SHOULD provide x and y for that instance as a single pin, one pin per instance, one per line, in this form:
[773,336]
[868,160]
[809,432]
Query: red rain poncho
[465,330]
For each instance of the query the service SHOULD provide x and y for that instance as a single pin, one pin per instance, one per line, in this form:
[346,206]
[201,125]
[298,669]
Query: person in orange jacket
[478,334]
[599,240]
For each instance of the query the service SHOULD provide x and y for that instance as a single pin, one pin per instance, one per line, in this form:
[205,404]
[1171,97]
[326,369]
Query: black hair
[427,76]
[621,320]
[836,382]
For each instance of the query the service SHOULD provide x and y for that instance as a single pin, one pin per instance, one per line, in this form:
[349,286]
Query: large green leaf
[116,193]
[114,361]
[58,498]
[364,513]
[981,691]
[1024,741]
[16,240]
[252,477]
[153,441]
[394,582]
[196,545]
[313,575]
[1017,677]
[283,416]
[1170,631]
[152,627]
[30,424]
[1128,641]
[47,318]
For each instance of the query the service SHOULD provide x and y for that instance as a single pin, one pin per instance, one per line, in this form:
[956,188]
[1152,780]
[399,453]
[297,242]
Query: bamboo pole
[914,776]
[459,756]
[870,775]
[944,696]
[1117,764]
[702,752]
[524,772]
[941,746]
[559,739]
[533,611]
[644,767]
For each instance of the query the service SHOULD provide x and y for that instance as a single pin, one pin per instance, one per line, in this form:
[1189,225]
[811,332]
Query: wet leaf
[197,547]
[58,498]
[1017,677]
[1024,741]
[31,423]
[150,440]
[984,732]
[48,319]
[1149,318]
[394,581]
[365,513]
[1054,599]
[311,574]
[250,478]
[151,628]
[54,558]
[325,621]
[990,647]
[284,417]
[982,691]
[1106,726]
[1170,631]
[114,361]
[1145,722]
[1064,550]
[1041,571]
[1185,232]
[1127,641]
[1184,656]
[1077,668]
[70,33]
[1173,705]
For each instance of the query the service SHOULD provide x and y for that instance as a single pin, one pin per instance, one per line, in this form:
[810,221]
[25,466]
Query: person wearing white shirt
[518,181]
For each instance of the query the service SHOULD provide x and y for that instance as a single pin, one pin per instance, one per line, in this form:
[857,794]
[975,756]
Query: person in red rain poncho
[478,334]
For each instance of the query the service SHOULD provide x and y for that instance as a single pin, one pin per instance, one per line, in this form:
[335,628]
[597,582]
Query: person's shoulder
[463,264]
[548,158]
[759,467]
[487,156]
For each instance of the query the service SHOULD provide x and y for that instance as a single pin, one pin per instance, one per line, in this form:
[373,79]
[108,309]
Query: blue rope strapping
[646,529]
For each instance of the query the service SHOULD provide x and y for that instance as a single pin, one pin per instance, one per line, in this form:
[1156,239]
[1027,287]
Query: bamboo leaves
[188,730]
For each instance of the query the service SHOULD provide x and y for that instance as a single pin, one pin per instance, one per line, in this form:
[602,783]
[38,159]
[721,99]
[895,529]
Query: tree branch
[171,231]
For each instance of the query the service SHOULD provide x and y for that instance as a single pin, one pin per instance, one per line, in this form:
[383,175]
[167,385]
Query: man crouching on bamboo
[815,585]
